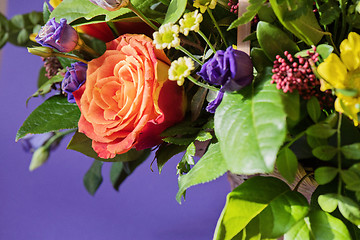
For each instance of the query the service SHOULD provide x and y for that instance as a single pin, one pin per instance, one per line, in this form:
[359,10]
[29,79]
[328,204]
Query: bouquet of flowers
[265,91]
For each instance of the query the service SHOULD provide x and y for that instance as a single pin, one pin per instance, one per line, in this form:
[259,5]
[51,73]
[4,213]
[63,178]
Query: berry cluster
[52,66]
[295,73]
[234,5]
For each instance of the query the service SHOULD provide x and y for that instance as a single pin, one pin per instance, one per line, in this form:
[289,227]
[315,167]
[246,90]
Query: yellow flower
[344,74]
[204,4]
[55,3]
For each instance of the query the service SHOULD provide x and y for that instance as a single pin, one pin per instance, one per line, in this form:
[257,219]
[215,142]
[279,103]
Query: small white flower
[190,22]
[180,69]
[167,36]
[204,4]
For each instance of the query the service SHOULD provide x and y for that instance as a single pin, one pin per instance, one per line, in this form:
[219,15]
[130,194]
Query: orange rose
[127,100]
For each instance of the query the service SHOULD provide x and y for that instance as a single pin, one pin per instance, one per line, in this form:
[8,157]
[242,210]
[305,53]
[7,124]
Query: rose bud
[60,36]
[74,78]
[231,69]
[127,99]
[111,5]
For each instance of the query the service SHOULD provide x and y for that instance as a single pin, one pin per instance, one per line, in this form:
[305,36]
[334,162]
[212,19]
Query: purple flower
[60,36]
[31,142]
[111,5]
[74,78]
[232,69]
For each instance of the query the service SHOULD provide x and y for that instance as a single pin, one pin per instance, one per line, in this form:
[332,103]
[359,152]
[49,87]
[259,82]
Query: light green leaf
[46,87]
[287,164]
[208,168]
[189,154]
[263,197]
[203,136]
[251,126]
[313,108]
[300,231]
[251,11]
[55,113]
[350,210]
[328,202]
[274,41]
[324,50]
[321,130]
[175,11]
[351,178]
[351,151]
[324,175]
[93,178]
[326,227]
[325,153]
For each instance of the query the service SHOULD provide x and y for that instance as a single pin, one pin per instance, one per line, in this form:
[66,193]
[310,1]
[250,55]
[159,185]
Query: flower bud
[60,36]
[40,156]
[41,51]
[111,5]
[74,78]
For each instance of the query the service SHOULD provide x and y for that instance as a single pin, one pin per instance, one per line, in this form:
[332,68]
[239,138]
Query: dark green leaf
[178,141]
[165,152]
[321,130]
[93,178]
[116,172]
[46,87]
[261,196]
[351,178]
[313,108]
[55,113]
[259,59]
[42,78]
[249,141]
[315,142]
[324,175]
[325,153]
[4,30]
[197,103]
[351,151]
[287,164]
[175,11]
[291,102]
[274,41]
[208,168]
[330,11]
[328,202]
[251,11]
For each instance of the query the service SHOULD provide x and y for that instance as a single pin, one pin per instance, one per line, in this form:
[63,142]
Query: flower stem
[217,26]
[57,136]
[142,16]
[189,54]
[206,40]
[203,85]
[294,139]
[339,152]
[69,56]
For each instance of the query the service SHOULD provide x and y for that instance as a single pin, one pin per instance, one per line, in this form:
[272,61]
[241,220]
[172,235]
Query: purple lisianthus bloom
[60,36]
[231,69]
[111,5]
[31,142]
[74,78]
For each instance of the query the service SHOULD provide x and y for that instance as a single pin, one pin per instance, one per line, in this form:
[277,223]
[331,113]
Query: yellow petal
[349,106]
[333,71]
[55,3]
[350,51]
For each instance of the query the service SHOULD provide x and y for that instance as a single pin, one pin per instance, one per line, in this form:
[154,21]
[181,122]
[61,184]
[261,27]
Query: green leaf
[274,41]
[165,152]
[251,11]
[330,11]
[347,92]
[315,142]
[321,130]
[324,175]
[208,168]
[93,178]
[189,154]
[313,108]
[328,202]
[351,178]
[259,59]
[325,153]
[46,12]
[203,136]
[324,50]
[178,140]
[351,151]
[121,170]
[291,102]
[350,210]
[55,113]
[4,30]
[42,78]
[287,164]
[326,227]
[175,11]
[197,103]
[300,231]
[251,127]
[262,197]
[46,87]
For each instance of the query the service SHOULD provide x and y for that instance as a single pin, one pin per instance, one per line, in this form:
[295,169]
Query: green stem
[57,136]
[217,26]
[142,16]
[339,152]
[69,56]
[113,29]
[189,54]
[294,139]
[343,20]
[203,85]
[207,41]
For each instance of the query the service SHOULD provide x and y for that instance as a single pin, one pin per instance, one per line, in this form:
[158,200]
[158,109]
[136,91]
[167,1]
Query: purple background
[51,202]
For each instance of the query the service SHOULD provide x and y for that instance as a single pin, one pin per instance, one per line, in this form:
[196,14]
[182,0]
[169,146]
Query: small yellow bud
[41,51]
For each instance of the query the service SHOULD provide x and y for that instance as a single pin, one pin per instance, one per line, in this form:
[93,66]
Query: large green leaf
[274,41]
[287,164]
[175,11]
[251,127]
[209,167]
[55,113]
[269,198]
